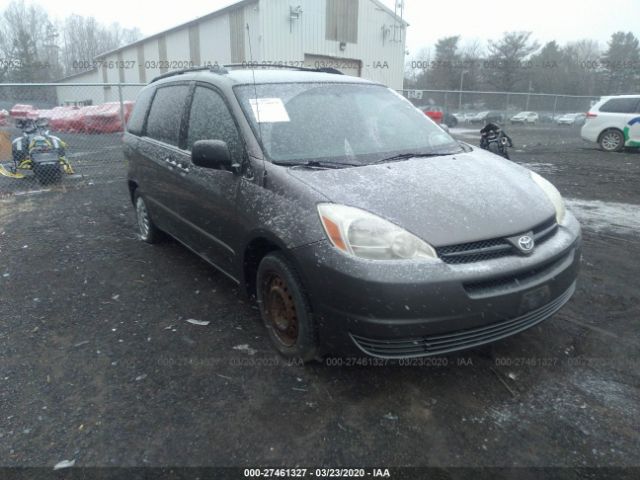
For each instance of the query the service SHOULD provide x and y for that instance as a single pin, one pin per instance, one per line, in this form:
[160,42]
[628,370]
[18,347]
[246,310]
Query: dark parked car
[357,223]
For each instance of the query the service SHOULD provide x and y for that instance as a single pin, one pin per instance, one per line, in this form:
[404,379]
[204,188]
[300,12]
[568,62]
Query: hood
[443,200]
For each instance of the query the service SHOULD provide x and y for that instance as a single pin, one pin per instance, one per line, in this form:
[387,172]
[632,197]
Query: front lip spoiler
[445,343]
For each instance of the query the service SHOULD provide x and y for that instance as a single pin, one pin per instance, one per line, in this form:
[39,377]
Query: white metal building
[358,37]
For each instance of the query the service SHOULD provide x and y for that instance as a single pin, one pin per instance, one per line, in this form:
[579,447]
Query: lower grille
[450,342]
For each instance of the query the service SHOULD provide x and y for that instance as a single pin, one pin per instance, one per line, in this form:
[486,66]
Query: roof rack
[250,65]
[223,69]
[212,68]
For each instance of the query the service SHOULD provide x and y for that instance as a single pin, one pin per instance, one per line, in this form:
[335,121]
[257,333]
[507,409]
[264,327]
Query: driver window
[210,119]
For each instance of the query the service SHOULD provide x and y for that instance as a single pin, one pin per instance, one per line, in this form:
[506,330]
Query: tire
[147,230]
[494,148]
[285,310]
[612,140]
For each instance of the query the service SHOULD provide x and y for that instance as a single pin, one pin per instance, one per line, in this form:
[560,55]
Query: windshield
[338,123]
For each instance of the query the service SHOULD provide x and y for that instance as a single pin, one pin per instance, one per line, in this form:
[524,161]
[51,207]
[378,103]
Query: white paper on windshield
[269,110]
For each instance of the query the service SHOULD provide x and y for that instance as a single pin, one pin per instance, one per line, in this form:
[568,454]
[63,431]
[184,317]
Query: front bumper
[413,309]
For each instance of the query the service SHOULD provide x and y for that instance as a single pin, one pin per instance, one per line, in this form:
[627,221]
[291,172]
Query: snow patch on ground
[606,216]
[542,168]
[465,132]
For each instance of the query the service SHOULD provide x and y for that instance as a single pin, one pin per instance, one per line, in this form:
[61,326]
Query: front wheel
[612,141]
[284,308]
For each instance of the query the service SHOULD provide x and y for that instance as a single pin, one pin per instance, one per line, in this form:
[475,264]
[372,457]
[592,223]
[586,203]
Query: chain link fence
[57,135]
[465,104]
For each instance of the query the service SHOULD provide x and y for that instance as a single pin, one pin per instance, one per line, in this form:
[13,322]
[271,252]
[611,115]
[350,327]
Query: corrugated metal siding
[194,43]
[151,56]
[252,18]
[342,20]
[215,40]
[162,53]
[237,32]
[382,60]
[120,67]
[178,54]
[142,72]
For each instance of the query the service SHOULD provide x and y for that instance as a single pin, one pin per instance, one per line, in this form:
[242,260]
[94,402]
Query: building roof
[77,74]
[214,14]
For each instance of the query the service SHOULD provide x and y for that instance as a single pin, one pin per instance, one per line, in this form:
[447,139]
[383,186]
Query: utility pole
[529,94]
[462,74]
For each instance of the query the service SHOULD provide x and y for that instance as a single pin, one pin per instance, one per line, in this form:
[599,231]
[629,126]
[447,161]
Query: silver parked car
[572,119]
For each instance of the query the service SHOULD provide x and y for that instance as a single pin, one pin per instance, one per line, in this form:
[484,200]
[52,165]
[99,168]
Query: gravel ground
[99,364]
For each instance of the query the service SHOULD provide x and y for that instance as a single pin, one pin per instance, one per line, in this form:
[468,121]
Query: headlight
[365,235]
[552,193]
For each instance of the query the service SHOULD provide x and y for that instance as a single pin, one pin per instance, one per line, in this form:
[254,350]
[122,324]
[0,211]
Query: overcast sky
[561,20]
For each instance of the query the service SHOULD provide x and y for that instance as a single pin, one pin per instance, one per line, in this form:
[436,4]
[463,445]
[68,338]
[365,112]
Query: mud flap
[7,173]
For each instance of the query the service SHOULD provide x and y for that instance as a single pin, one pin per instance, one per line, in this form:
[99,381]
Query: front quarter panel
[284,211]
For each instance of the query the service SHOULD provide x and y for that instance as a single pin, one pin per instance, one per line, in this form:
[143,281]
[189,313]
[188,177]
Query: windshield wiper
[321,164]
[406,156]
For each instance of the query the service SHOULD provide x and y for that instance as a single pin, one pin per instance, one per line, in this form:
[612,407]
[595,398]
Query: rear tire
[285,310]
[147,230]
[612,141]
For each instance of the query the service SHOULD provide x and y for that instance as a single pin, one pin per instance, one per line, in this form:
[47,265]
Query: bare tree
[24,35]
[33,48]
[84,38]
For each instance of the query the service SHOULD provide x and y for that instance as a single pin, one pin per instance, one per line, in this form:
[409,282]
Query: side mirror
[212,154]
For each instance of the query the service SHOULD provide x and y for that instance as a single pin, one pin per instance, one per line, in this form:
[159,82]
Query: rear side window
[210,119]
[136,121]
[165,115]
[620,105]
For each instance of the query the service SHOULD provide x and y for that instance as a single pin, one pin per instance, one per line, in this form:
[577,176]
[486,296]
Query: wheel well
[132,189]
[609,130]
[253,255]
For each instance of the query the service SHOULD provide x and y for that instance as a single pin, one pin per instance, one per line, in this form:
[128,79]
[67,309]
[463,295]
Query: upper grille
[495,286]
[492,248]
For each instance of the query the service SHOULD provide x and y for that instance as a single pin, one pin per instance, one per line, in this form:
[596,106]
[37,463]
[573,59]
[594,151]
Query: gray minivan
[358,224]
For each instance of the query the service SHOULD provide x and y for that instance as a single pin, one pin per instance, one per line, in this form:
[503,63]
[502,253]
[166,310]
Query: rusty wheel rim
[281,310]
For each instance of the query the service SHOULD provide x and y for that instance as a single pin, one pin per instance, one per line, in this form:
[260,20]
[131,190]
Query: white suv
[614,123]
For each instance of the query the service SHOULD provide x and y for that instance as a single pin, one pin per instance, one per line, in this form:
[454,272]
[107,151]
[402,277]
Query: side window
[136,121]
[166,112]
[210,119]
[620,105]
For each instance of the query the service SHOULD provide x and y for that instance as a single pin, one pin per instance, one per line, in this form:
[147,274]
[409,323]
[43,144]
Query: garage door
[348,66]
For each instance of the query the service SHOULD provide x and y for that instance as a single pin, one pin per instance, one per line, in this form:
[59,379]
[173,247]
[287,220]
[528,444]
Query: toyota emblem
[526,243]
